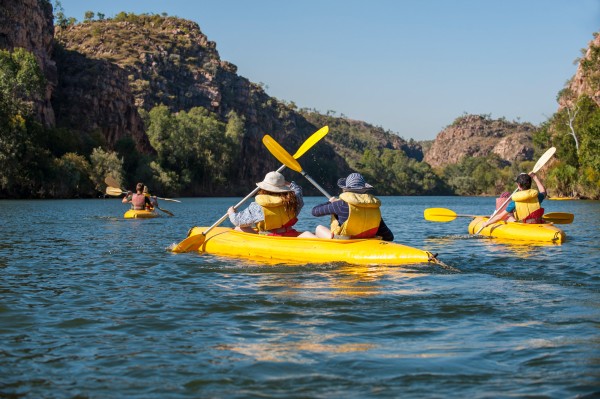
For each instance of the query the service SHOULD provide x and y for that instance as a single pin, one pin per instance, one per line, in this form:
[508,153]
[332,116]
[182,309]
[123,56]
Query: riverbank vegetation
[197,150]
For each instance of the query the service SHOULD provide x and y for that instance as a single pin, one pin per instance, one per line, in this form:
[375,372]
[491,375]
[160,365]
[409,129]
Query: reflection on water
[296,351]
[351,281]
[520,248]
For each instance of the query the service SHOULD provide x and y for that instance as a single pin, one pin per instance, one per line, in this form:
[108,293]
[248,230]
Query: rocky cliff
[587,78]
[28,24]
[170,61]
[94,96]
[476,136]
[82,94]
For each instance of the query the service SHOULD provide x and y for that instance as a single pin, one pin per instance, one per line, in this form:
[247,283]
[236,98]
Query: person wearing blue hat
[355,214]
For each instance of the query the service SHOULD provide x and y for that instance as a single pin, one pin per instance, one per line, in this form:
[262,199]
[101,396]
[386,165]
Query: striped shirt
[254,213]
[341,210]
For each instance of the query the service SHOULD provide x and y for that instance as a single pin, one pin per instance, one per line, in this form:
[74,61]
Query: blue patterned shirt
[254,213]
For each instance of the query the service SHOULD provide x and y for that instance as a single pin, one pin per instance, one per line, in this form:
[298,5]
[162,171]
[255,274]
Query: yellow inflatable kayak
[546,232]
[141,214]
[228,242]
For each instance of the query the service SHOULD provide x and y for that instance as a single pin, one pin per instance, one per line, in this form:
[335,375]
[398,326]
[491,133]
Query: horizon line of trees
[196,151]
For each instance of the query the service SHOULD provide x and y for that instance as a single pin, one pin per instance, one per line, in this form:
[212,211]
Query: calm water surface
[93,306]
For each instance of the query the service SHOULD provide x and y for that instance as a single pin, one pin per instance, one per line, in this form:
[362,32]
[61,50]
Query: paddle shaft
[168,199]
[236,206]
[246,198]
[317,185]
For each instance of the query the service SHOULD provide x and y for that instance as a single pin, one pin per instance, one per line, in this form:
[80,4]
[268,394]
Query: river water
[93,306]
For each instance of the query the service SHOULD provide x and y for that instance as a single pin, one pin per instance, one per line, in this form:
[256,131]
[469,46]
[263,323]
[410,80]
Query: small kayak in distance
[228,242]
[546,232]
[140,214]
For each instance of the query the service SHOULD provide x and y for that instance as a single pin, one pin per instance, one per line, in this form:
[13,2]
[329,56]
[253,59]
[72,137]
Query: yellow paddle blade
[559,217]
[115,192]
[543,159]
[280,153]
[191,243]
[439,215]
[311,141]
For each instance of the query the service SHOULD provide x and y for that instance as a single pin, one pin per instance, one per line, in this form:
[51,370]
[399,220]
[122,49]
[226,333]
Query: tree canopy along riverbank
[147,98]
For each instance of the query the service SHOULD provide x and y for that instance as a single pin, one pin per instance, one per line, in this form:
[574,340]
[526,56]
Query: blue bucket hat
[355,183]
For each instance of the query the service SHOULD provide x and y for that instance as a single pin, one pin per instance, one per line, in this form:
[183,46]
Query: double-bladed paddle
[538,165]
[193,243]
[447,215]
[115,192]
[285,158]
[111,182]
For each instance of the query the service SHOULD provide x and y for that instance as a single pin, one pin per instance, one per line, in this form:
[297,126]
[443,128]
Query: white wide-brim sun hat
[275,182]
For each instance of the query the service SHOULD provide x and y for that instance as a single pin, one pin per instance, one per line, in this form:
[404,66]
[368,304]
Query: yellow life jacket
[275,213]
[364,217]
[526,202]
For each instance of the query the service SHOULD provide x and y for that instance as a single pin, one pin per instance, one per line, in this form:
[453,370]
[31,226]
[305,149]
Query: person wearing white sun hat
[275,208]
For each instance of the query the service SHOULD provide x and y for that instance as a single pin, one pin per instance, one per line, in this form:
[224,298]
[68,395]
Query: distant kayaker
[275,208]
[526,202]
[138,200]
[153,199]
[355,214]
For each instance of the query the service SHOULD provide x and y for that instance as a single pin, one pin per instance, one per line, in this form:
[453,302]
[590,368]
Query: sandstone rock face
[582,82]
[477,136]
[94,96]
[170,61]
[28,24]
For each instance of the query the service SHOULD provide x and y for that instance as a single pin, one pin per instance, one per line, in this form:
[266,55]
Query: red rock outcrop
[585,80]
[477,136]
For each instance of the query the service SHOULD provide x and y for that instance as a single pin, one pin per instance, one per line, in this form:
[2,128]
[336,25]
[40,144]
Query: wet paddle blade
[439,215]
[192,243]
[115,192]
[280,153]
[311,141]
[559,217]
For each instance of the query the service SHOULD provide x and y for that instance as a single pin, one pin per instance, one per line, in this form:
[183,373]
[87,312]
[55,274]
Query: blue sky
[409,66]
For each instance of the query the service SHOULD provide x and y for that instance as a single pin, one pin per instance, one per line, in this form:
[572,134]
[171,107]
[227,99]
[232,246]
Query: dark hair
[524,180]
[139,187]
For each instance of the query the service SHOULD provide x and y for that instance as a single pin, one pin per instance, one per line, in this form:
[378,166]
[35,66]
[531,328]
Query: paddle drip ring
[433,258]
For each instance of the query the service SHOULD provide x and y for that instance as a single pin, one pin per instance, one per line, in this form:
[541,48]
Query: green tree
[21,83]
[88,16]
[72,177]
[562,178]
[103,164]
[195,145]
[475,176]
